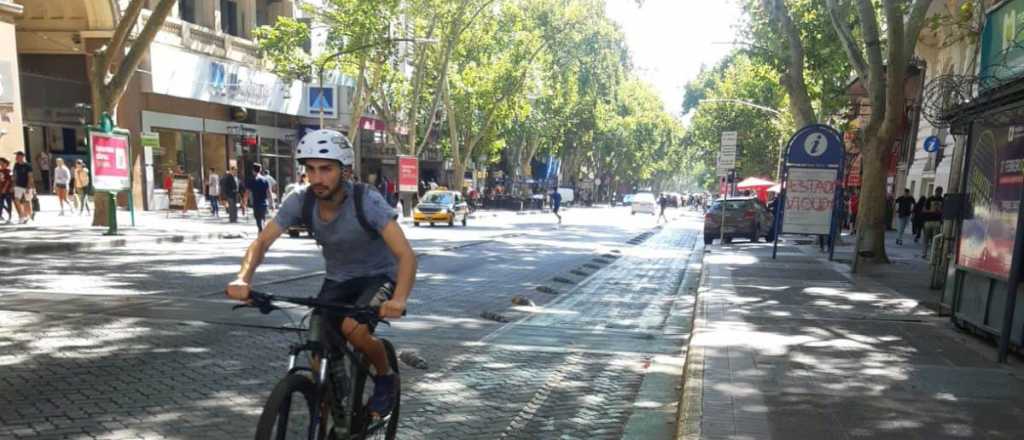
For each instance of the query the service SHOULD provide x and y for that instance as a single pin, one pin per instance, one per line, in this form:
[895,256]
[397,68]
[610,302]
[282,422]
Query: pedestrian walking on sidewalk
[61,183]
[229,191]
[663,202]
[82,191]
[24,187]
[556,204]
[213,192]
[932,213]
[6,190]
[259,190]
[43,161]
[917,222]
[904,209]
[854,209]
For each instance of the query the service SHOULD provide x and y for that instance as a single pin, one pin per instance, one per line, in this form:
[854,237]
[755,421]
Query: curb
[691,397]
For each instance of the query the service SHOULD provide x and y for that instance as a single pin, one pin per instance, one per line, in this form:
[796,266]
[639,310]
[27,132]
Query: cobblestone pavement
[792,349]
[183,367]
[577,368]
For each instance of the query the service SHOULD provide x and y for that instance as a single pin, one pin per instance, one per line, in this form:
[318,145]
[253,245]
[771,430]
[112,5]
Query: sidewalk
[909,274]
[795,349]
[50,232]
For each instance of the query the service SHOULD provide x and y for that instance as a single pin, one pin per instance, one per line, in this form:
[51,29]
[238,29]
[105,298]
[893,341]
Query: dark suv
[745,217]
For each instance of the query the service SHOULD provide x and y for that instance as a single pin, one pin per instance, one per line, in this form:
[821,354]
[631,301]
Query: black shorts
[365,291]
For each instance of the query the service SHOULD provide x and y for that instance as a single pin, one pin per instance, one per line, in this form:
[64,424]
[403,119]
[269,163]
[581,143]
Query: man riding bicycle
[368,260]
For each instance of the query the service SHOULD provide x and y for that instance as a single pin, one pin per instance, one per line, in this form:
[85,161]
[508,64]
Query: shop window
[178,148]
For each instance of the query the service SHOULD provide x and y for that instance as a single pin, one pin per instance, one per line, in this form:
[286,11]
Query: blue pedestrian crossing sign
[815,146]
[321,99]
[932,144]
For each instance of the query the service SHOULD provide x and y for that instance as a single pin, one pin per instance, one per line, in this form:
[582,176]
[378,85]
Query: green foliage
[826,68]
[281,45]
[524,77]
[761,133]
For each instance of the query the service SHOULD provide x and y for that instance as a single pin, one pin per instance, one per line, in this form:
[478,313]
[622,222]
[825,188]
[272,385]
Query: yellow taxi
[441,206]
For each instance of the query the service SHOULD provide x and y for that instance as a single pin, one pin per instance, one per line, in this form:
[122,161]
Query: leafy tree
[761,133]
[112,68]
[880,61]
[808,57]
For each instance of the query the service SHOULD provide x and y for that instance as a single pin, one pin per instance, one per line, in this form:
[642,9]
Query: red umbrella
[755,184]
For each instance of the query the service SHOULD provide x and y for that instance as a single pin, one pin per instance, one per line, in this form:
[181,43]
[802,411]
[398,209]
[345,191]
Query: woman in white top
[213,192]
[61,180]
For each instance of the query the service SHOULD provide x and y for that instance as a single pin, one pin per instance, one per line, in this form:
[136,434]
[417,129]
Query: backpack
[358,189]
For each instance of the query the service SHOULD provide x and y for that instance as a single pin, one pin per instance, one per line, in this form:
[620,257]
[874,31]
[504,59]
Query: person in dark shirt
[904,208]
[556,204]
[932,217]
[259,190]
[229,191]
[24,187]
[918,218]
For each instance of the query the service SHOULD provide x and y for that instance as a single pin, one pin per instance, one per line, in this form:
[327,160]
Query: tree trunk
[871,216]
[792,78]
[358,107]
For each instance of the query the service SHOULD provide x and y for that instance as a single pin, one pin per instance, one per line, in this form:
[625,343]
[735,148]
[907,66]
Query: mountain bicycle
[326,398]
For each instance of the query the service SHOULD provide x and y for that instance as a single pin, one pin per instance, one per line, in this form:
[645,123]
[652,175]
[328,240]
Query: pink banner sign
[110,169]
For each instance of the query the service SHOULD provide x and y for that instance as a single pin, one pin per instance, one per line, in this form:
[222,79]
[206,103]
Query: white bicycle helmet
[325,144]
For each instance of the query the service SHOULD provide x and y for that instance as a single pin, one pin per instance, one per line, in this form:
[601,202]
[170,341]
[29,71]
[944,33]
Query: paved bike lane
[603,361]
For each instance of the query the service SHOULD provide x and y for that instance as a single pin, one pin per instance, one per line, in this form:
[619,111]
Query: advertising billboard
[408,174]
[110,167]
[994,182]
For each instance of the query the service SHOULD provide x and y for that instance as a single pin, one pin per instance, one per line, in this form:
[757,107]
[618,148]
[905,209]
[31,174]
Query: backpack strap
[308,202]
[358,191]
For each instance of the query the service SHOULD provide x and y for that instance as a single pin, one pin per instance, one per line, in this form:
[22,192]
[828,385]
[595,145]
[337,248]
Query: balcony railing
[204,40]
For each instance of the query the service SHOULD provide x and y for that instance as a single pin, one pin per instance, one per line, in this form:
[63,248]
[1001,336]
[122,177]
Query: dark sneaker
[383,399]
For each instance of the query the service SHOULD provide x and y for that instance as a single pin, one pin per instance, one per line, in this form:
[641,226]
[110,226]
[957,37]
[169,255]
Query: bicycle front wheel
[288,413]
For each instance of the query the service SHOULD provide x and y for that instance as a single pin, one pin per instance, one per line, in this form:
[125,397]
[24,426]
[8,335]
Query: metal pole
[721,227]
[780,206]
[1012,284]
[111,214]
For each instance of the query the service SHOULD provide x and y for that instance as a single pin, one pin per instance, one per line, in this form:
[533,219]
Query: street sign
[727,153]
[811,189]
[321,98]
[810,195]
[815,146]
[932,144]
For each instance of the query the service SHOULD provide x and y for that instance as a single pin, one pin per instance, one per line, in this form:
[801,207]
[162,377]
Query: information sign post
[811,192]
[111,165]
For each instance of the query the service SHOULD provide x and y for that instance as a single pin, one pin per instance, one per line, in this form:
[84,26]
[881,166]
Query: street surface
[139,342]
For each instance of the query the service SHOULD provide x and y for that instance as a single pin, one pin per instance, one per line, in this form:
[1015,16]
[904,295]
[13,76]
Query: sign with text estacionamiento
[813,162]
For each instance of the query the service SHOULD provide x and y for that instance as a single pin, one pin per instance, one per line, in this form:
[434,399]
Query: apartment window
[229,17]
[187,10]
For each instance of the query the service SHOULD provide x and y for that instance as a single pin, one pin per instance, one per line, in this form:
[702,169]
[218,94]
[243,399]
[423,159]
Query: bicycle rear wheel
[369,428]
[288,413]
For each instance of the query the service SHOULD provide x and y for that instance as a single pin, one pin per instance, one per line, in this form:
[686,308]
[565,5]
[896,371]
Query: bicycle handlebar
[265,303]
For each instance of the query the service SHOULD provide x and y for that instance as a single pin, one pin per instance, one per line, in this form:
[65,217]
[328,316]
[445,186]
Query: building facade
[202,88]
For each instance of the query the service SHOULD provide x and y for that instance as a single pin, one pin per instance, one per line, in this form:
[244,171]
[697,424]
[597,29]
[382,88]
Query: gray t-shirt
[348,250]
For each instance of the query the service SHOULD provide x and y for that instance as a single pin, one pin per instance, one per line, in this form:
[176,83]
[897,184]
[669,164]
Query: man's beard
[330,194]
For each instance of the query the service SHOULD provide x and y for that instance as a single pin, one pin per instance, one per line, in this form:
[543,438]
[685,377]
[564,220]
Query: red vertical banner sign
[408,174]
[110,168]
